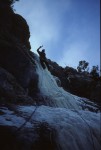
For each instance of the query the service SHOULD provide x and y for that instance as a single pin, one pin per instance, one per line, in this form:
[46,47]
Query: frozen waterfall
[75,128]
[55,95]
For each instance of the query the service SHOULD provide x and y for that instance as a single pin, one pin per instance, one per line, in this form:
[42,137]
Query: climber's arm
[39,48]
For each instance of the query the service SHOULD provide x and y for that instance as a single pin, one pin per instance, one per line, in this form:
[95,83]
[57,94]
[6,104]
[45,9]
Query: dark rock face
[15,49]
[11,91]
[46,137]
[20,30]
[96,91]
[7,139]
[13,24]
[39,138]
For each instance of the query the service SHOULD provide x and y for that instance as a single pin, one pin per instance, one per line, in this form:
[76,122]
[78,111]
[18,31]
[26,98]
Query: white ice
[76,129]
[56,96]
[52,92]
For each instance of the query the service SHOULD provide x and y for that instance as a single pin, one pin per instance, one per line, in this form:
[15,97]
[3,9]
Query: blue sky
[69,30]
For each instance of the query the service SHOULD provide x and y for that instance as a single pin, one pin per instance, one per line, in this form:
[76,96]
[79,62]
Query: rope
[22,126]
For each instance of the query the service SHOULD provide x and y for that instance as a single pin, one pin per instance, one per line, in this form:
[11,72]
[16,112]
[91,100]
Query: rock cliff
[15,50]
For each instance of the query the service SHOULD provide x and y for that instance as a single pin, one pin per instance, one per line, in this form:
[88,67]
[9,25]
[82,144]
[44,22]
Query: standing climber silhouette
[43,59]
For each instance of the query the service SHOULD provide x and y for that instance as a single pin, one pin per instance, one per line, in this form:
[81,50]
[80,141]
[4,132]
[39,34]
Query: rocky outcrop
[20,30]
[11,91]
[15,55]
[96,91]
[13,25]
[39,138]
[81,84]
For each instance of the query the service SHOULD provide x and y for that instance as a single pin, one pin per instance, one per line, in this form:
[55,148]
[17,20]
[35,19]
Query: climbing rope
[22,126]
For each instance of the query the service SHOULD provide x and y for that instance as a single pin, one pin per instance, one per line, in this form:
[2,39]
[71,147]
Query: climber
[43,59]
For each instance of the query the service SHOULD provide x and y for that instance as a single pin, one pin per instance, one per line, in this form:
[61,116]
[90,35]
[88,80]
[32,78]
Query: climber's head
[43,50]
